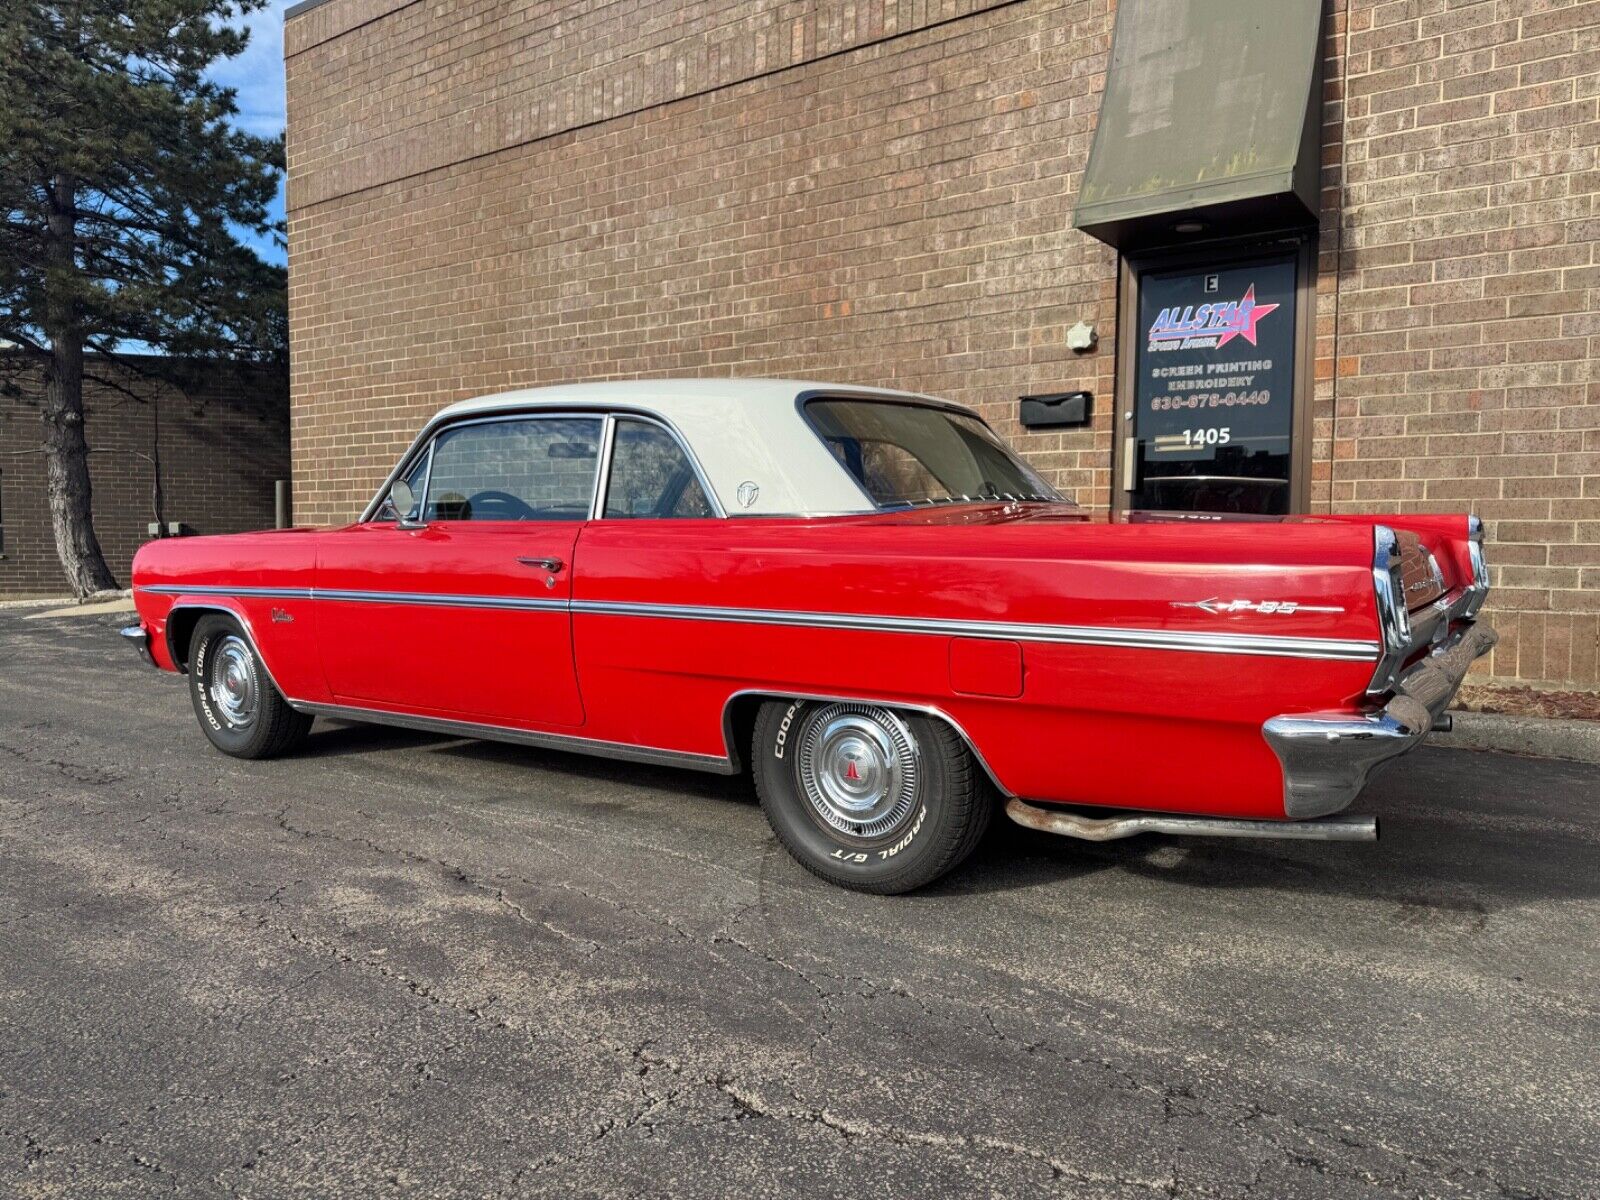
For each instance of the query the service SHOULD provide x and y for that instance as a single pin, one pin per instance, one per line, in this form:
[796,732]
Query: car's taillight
[1480,569]
[1393,620]
[1394,623]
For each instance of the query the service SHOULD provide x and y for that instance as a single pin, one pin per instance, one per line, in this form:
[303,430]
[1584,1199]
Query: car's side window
[651,476]
[524,469]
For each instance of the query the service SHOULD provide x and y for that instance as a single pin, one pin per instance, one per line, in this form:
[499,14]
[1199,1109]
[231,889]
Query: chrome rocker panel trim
[1328,758]
[714,764]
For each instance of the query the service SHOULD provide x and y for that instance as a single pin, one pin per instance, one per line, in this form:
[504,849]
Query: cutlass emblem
[1282,607]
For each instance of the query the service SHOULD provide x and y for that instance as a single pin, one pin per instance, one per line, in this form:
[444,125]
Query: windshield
[908,454]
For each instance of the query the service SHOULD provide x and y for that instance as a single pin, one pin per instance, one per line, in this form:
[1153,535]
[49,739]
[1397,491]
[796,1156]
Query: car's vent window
[535,469]
[651,476]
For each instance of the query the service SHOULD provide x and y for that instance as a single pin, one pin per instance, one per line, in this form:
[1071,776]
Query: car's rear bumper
[1328,758]
[140,637]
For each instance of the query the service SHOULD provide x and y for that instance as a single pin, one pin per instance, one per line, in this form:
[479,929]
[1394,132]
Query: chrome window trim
[717,510]
[507,418]
[908,401]
[1204,642]
[437,425]
[602,477]
[626,751]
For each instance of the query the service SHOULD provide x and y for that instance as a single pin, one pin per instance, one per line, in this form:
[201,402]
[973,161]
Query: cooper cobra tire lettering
[783,730]
[199,671]
[846,856]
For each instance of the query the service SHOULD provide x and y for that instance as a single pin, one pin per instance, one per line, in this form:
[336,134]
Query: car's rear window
[908,454]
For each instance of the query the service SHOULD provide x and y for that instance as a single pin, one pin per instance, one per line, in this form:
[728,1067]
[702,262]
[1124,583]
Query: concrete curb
[1539,737]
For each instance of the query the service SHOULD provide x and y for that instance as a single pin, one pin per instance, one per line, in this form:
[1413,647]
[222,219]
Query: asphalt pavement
[398,964]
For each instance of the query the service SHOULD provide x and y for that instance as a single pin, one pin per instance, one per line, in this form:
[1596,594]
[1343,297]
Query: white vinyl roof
[740,431]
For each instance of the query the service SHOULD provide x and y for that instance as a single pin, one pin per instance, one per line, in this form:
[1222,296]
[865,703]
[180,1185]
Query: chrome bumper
[1328,758]
[137,635]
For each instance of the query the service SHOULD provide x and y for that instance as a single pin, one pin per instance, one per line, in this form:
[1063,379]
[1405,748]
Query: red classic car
[862,597]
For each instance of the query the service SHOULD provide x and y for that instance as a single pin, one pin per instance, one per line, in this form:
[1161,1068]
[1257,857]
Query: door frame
[1131,266]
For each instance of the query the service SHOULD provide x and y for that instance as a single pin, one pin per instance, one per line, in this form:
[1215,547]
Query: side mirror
[404,500]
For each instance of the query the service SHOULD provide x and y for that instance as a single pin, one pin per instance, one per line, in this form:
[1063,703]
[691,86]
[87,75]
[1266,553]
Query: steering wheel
[499,506]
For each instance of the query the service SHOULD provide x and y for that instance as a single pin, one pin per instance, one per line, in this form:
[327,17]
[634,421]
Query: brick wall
[897,213]
[1467,314]
[224,439]
[881,191]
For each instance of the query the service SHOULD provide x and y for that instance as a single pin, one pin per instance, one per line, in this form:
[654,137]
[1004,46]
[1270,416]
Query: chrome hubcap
[858,769]
[232,682]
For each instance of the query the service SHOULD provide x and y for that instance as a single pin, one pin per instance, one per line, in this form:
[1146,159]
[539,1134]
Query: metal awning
[1212,113]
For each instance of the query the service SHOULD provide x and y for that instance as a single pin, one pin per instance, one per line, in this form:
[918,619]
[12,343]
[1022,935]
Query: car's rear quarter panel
[1154,728]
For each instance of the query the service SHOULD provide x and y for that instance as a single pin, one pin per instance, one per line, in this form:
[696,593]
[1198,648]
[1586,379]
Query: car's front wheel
[868,797]
[240,709]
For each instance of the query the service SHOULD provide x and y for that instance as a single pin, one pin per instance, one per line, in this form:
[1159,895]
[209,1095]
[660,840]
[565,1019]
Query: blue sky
[257,75]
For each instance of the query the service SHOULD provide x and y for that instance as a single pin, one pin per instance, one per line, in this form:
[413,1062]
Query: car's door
[463,608]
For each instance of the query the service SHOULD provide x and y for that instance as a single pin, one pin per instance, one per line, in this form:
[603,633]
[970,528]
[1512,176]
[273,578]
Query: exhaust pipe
[1106,829]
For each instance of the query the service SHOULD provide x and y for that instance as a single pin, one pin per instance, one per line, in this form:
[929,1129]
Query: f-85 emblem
[1281,607]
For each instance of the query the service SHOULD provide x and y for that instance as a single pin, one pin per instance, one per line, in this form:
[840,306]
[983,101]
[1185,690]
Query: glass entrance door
[1212,409]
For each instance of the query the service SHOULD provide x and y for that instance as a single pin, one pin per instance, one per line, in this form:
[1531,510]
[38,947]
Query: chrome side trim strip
[715,764]
[430,599]
[437,599]
[1078,635]
[269,593]
[1086,635]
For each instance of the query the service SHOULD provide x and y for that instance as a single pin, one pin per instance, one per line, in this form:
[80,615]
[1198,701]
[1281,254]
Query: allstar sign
[1236,318]
[1244,322]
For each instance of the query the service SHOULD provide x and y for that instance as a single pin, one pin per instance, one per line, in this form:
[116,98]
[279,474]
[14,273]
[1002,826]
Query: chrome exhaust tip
[1106,829]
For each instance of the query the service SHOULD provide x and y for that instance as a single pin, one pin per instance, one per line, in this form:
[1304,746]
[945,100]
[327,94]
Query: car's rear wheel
[240,709]
[866,796]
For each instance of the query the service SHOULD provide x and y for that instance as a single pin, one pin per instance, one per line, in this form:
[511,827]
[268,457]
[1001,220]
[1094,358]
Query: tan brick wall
[1468,309]
[484,197]
[224,440]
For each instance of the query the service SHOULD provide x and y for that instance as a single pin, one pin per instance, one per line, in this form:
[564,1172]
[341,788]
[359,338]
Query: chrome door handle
[544,564]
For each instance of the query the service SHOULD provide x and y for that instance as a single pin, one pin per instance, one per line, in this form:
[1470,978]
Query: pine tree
[124,189]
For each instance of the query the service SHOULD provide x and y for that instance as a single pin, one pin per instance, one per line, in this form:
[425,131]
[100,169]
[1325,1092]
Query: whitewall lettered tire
[867,796]
[239,708]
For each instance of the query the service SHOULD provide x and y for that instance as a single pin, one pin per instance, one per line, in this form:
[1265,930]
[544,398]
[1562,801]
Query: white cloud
[257,74]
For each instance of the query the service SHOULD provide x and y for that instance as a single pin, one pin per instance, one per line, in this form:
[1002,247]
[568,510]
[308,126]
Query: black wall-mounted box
[1057,410]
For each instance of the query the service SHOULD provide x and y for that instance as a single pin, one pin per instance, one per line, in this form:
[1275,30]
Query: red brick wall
[881,191]
[224,440]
